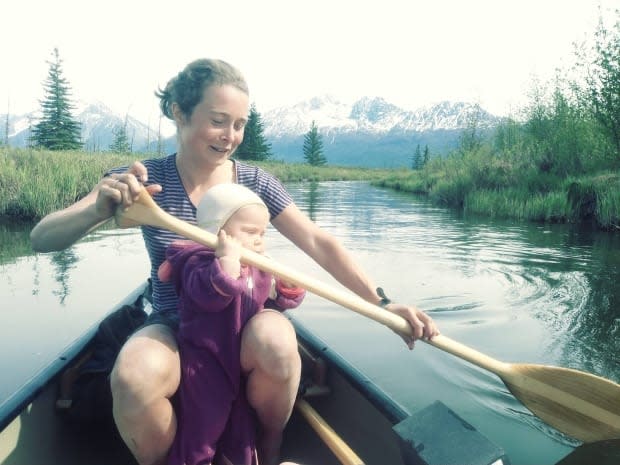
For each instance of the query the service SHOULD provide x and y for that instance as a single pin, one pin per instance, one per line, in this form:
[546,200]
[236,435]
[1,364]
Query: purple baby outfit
[214,416]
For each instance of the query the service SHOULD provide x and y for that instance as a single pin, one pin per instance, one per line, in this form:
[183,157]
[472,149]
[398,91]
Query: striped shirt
[174,199]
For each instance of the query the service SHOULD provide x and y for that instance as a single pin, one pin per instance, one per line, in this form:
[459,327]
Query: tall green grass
[510,187]
[34,183]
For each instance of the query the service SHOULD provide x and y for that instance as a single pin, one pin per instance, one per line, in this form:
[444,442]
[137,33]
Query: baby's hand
[287,284]
[228,250]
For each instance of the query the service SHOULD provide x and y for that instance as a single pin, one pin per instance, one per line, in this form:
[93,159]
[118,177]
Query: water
[517,292]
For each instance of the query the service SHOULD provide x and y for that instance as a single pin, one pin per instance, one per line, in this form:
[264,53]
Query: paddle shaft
[584,406]
[145,211]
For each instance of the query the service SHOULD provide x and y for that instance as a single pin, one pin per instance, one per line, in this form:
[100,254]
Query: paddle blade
[581,405]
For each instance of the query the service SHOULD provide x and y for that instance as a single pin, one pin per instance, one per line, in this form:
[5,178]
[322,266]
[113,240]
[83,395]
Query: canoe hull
[370,422]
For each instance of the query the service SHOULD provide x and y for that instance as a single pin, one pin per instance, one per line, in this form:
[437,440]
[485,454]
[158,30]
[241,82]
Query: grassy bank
[36,182]
[511,188]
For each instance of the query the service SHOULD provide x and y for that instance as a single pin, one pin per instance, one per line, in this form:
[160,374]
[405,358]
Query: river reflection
[517,292]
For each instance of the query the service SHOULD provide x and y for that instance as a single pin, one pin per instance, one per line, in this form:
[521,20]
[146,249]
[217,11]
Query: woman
[209,102]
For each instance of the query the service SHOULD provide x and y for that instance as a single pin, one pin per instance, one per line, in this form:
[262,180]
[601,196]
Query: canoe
[341,417]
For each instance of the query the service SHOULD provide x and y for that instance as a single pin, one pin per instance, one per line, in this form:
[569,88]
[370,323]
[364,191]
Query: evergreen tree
[120,144]
[426,156]
[6,131]
[254,145]
[57,130]
[471,137]
[6,126]
[416,160]
[30,140]
[313,147]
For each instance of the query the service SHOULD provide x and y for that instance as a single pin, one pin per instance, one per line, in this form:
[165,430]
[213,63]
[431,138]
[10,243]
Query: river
[517,292]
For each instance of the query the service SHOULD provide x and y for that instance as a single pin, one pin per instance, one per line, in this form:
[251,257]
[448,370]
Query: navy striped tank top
[174,199]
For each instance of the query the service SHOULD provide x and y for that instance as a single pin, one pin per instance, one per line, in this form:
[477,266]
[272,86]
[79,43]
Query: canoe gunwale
[386,405]
[11,407]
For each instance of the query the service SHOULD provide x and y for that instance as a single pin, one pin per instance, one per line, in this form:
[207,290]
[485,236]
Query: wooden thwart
[581,405]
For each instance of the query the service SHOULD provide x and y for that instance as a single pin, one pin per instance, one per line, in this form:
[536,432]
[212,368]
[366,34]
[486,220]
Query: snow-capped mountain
[99,124]
[371,115]
[367,132]
[371,131]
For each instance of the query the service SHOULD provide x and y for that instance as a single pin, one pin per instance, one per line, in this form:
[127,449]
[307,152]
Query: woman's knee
[269,343]
[149,360]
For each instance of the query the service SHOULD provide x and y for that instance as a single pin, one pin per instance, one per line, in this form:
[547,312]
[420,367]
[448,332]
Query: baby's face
[248,226]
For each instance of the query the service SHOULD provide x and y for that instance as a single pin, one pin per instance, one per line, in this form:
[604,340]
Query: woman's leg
[270,358]
[144,378]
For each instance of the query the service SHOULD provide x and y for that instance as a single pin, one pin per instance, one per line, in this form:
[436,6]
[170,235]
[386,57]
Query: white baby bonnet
[220,202]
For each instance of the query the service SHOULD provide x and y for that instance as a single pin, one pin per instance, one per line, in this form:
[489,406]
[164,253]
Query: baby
[217,296]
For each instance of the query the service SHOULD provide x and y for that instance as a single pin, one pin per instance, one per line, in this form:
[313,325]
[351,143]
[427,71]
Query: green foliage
[601,95]
[5,139]
[416,159]
[56,130]
[471,137]
[254,145]
[34,183]
[596,198]
[558,163]
[120,144]
[426,156]
[313,147]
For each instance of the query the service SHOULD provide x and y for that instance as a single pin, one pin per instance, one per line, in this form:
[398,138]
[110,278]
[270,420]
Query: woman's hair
[186,88]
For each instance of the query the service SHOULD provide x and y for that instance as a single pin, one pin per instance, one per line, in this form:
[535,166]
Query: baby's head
[238,211]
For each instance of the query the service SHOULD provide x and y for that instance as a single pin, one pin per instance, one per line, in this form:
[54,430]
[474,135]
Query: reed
[36,182]
[519,204]
[486,184]
[596,198]
[293,172]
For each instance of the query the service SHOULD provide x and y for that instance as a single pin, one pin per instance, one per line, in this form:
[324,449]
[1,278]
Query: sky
[412,53]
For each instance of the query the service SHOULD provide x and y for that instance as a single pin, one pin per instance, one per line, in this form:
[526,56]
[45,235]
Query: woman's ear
[179,118]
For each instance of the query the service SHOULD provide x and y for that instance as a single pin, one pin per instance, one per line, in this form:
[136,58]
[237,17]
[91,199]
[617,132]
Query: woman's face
[216,126]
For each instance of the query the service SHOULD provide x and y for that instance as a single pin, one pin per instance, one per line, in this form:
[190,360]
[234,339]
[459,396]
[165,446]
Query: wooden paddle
[579,404]
[336,444]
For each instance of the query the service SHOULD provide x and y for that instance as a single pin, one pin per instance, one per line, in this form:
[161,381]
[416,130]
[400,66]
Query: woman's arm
[326,250]
[63,228]
[330,254]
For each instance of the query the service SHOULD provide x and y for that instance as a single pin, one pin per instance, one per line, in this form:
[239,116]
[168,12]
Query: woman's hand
[61,229]
[122,189]
[423,326]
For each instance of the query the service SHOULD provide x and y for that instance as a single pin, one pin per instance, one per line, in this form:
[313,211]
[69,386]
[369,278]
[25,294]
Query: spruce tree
[427,155]
[254,145]
[121,144]
[57,130]
[416,160]
[6,126]
[313,147]
[6,131]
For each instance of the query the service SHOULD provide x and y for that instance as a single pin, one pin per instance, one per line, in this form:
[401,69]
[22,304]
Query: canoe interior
[34,432]
[378,429]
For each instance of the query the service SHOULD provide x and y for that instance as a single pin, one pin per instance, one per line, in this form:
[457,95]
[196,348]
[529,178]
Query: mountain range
[368,132]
